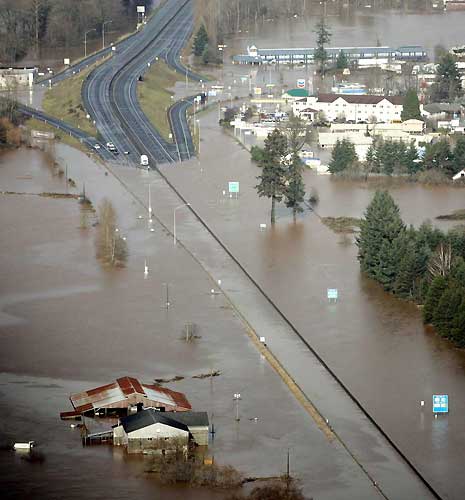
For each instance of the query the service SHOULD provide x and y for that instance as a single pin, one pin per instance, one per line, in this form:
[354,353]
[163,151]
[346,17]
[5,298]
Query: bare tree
[111,247]
[441,261]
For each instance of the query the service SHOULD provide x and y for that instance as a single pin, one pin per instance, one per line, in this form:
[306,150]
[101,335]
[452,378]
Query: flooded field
[66,324]
[374,342]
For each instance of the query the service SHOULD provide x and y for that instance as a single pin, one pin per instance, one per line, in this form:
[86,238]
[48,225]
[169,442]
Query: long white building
[356,108]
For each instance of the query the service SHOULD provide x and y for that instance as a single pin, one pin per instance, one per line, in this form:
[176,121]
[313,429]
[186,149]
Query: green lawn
[154,98]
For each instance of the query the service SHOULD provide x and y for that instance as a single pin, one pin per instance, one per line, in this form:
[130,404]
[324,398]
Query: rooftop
[148,417]
[297,93]
[119,392]
[360,99]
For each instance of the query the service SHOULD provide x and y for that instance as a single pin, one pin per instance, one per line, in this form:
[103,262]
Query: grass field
[33,124]
[154,98]
[63,101]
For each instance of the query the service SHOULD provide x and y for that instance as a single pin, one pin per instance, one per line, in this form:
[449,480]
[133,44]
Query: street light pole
[174,220]
[237,397]
[198,129]
[85,41]
[103,32]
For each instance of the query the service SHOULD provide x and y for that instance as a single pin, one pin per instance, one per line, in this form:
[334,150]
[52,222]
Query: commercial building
[125,396]
[306,55]
[356,108]
[155,431]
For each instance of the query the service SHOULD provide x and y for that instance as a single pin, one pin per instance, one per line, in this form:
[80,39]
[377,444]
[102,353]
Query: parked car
[97,146]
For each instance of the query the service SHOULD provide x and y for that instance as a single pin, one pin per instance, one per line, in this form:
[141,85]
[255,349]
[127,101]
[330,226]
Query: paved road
[84,138]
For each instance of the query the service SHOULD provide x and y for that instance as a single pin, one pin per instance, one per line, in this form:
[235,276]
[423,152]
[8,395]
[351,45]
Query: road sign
[301,83]
[440,403]
[332,293]
[258,91]
[233,187]
[140,9]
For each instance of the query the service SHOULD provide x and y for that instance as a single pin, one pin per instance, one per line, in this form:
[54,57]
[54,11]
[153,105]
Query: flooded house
[150,431]
[123,397]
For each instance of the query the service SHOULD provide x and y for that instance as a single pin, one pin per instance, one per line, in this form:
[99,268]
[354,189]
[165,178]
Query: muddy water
[374,342]
[362,28]
[66,324]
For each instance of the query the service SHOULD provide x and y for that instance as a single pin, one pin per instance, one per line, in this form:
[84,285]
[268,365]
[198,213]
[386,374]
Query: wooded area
[31,25]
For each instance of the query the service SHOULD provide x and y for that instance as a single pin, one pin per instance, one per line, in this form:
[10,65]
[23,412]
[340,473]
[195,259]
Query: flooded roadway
[68,325]
[375,343]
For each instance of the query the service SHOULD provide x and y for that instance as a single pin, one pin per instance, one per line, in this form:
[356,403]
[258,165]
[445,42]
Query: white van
[144,160]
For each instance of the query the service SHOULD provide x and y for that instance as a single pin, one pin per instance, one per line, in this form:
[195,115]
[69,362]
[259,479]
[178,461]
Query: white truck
[144,160]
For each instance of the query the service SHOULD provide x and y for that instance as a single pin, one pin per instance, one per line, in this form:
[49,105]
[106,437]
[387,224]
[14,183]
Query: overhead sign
[332,293]
[66,61]
[440,403]
[140,9]
[233,187]
[301,83]
[258,91]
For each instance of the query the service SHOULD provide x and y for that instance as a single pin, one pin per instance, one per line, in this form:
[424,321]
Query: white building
[459,175]
[355,108]
[17,77]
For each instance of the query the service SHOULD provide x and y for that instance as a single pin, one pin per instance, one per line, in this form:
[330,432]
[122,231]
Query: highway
[110,92]
[110,96]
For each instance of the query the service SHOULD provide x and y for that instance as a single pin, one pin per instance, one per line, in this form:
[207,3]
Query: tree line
[391,157]
[425,265]
[30,25]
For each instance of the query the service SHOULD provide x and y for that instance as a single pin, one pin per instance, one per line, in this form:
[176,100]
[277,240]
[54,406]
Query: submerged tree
[111,247]
[378,243]
[273,176]
[343,156]
[323,36]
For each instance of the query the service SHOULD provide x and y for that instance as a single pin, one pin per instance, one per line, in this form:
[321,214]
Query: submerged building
[125,396]
[306,55]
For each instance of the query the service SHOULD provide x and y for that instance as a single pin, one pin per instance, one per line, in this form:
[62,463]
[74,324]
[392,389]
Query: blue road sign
[233,187]
[332,293]
[440,403]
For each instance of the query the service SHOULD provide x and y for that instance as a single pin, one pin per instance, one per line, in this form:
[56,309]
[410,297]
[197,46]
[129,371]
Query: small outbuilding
[459,175]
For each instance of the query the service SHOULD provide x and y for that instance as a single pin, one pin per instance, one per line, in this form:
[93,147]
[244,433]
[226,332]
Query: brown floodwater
[66,325]
[374,342]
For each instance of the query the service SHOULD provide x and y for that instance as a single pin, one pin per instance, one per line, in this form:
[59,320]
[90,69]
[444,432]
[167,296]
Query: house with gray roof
[150,430]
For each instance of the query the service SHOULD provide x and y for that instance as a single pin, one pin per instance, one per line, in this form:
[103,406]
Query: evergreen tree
[323,36]
[381,226]
[411,161]
[200,41]
[295,187]
[440,157]
[411,108]
[443,314]
[448,84]
[273,170]
[436,289]
[457,331]
[343,156]
[342,62]
[459,154]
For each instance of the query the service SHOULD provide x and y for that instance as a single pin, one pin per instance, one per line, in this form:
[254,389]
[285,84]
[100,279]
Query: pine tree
[443,315]
[436,289]
[411,108]
[200,41]
[439,156]
[459,154]
[457,331]
[343,156]
[323,36]
[378,230]
[295,187]
[448,85]
[342,62]
[273,170]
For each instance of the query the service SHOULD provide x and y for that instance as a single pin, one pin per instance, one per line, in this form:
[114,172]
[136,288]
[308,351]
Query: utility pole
[103,32]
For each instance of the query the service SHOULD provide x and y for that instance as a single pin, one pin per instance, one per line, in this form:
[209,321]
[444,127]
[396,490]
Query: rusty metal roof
[122,389]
